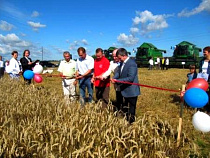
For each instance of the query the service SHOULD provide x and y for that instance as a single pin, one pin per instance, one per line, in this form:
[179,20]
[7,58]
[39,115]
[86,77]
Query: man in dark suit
[127,72]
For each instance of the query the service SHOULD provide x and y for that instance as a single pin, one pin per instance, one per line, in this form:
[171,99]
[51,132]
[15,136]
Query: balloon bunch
[28,74]
[196,97]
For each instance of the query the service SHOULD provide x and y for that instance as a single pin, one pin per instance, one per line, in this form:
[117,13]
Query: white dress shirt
[111,69]
[83,65]
[14,67]
[124,63]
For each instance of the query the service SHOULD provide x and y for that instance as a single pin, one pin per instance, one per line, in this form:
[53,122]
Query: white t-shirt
[167,61]
[83,65]
[151,62]
[13,67]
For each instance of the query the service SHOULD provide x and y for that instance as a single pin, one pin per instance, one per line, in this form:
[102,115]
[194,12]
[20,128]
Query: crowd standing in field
[88,71]
[204,70]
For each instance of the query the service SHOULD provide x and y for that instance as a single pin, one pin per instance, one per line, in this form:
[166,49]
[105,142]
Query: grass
[35,122]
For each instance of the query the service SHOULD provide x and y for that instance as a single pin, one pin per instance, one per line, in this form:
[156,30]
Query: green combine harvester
[145,52]
[185,54]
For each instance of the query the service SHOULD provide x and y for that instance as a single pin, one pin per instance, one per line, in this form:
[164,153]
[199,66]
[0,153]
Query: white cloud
[84,41]
[127,40]
[136,20]
[9,38]
[149,22]
[13,42]
[35,14]
[134,30]
[74,45]
[22,34]
[36,26]
[59,50]
[5,26]
[203,6]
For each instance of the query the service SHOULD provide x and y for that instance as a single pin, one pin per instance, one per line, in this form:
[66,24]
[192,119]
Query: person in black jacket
[26,63]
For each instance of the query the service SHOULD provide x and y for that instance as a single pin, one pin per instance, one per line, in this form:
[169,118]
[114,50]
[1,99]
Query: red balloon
[198,83]
[37,78]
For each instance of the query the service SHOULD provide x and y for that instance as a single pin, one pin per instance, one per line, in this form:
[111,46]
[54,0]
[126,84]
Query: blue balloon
[196,97]
[28,74]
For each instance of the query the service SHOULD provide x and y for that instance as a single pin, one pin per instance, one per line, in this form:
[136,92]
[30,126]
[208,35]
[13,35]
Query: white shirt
[1,64]
[67,68]
[83,65]
[151,62]
[14,67]
[124,63]
[205,67]
[111,69]
[167,61]
[158,60]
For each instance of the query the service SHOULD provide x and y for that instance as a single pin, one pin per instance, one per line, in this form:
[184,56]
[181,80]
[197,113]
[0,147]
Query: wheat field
[36,122]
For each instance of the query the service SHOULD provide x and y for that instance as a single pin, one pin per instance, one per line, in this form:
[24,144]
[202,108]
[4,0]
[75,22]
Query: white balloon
[201,121]
[38,69]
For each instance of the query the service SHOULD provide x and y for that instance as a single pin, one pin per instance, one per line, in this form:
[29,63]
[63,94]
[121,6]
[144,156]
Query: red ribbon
[165,89]
[171,90]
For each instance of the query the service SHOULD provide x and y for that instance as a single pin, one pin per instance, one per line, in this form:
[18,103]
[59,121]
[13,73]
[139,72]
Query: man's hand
[100,77]
[61,75]
[92,80]
[75,82]
[79,77]
[29,63]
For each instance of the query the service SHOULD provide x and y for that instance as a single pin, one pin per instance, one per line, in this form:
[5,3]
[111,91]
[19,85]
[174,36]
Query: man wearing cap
[67,72]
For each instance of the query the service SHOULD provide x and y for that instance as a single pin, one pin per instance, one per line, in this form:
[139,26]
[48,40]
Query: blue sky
[63,25]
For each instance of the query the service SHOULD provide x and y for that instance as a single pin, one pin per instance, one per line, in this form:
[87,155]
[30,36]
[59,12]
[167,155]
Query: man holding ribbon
[127,72]
[67,69]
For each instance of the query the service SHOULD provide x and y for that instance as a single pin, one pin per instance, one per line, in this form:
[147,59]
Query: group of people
[204,70]
[88,72]
[16,68]
[161,63]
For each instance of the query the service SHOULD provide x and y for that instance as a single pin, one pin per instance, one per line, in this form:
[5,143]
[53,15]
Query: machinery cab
[146,51]
[186,50]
